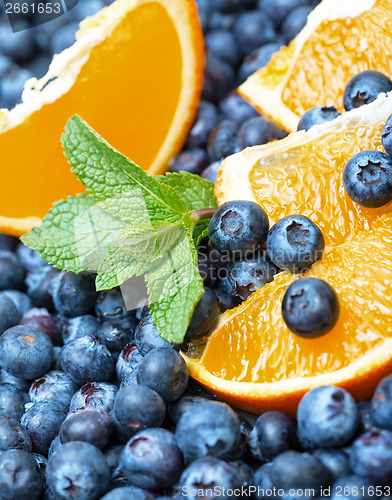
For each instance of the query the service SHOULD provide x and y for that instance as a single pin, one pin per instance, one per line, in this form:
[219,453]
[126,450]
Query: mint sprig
[129,224]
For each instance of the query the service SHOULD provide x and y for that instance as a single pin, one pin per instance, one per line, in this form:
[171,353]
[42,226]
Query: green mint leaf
[200,231]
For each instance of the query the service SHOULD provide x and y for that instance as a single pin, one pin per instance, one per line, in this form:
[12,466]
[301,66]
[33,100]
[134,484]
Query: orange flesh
[332,55]
[108,94]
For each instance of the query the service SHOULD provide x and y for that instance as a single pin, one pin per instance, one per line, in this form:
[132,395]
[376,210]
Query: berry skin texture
[13,436]
[206,120]
[327,418]
[89,425]
[79,326]
[222,44]
[367,179]
[26,352]
[22,301]
[152,459]
[295,243]
[210,429]
[294,22]
[381,406]
[204,316]
[77,470]
[252,30]
[371,456]
[223,140]
[11,271]
[386,136]
[236,109]
[193,161]
[183,404]
[128,363]
[257,131]
[110,305]
[219,79]
[99,395]
[364,88]
[164,370]
[257,59]
[355,488]
[55,386]
[336,461]
[12,401]
[317,116]
[20,478]
[310,307]
[128,493]
[147,337]
[238,227]
[73,294]
[9,314]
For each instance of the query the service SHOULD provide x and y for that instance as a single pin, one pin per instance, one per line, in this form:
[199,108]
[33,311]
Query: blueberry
[310,307]
[128,363]
[13,436]
[11,88]
[257,59]
[336,461]
[227,5]
[227,300]
[235,108]
[327,418]
[147,337]
[110,305]
[9,314]
[210,429]
[12,401]
[86,8]
[252,30]
[295,243]
[367,179]
[386,136]
[365,415]
[364,88]
[137,407]
[53,386]
[11,271]
[263,482]
[8,378]
[89,425]
[77,470]
[99,395]
[30,259]
[223,140]
[244,472]
[80,326]
[222,21]
[39,65]
[43,421]
[273,433]
[207,271]
[219,78]
[87,359]
[371,456]
[22,301]
[211,172]
[115,336]
[39,283]
[7,242]
[19,45]
[41,319]
[64,37]
[206,120]
[243,449]
[259,131]
[152,459]
[278,10]
[113,457]
[248,275]
[381,409]
[120,434]
[25,352]
[73,294]
[41,462]
[238,227]
[353,487]
[317,116]
[128,493]
[193,160]
[54,445]
[20,478]
[294,22]
[223,45]
[187,401]
[164,371]
[204,316]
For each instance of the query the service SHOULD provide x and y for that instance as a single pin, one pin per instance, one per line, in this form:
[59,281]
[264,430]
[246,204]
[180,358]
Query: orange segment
[341,39]
[135,75]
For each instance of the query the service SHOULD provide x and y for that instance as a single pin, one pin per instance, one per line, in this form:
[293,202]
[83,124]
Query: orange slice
[341,38]
[134,74]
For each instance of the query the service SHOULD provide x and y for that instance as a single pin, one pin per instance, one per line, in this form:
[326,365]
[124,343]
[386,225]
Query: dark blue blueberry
[128,493]
[39,65]
[263,482]
[278,10]
[206,120]
[54,386]
[164,371]
[99,395]
[257,59]
[22,301]
[41,319]
[116,335]
[39,284]
[238,227]
[364,88]
[128,363]
[137,407]
[87,359]
[8,378]
[64,37]
[11,271]
[257,131]
[152,459]
[41,462]
[187,401]
[193,160]
[25,352]
[73,294]
[336,461]
[204,14]
[43,33]
[371,456]
[110,305]
[19,46]
[223,45]
[77,470]
[235,108]
[204,316]
[89,425]
[273,433]
[219,78]
[207,270]
[120,434]
[113,457]
[248,275]
[327,418]
[205,473]
[30,259]
[365,415]
[80,326]
[295,243]
[386,136]
[252,30]
[86,8]
[222,21]
[20,478]
[211,172]
[11,88]
[316,116]
[223,140]
[9,314]
[147,337]
[243,449]
[367,179]
[310,307]
[352,488]
[7,242]
[43,421]
[210,429]
[13,436]
[294,22]
[54,445]
[244,472]
[12,401]
[381,409]
[227,300]
[227,5]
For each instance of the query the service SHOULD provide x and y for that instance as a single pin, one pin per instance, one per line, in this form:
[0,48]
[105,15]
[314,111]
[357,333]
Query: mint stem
[203,214]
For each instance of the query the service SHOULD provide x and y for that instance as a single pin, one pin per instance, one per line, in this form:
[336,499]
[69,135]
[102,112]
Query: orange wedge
[341,38]
[134,74]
